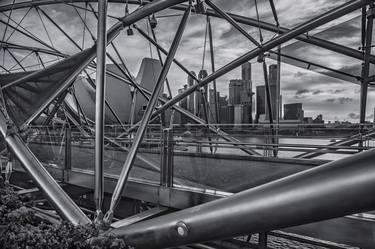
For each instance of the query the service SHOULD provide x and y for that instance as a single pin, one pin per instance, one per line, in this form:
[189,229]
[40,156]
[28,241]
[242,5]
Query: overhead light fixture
[153,22]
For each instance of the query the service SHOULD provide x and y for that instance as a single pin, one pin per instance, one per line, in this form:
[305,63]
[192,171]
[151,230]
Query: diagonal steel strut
[146,117]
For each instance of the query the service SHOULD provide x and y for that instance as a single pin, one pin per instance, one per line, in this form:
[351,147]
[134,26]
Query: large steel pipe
[101,45]
[63,204]
[332,190]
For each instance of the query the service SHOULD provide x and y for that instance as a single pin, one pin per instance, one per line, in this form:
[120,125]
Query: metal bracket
[199,6]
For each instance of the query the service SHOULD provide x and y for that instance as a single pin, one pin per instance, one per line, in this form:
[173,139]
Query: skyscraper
[240,93]
[247,92]
[212,110]
[272,79]
[184,104]
[246,71]
[293,111]
[191,97]
[202,95]
[235,89]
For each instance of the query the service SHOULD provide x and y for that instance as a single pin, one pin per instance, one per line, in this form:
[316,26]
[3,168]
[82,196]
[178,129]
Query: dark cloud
[341,100]
[302,91]
[344,100]
[353,115]
[339,90]
[316,92]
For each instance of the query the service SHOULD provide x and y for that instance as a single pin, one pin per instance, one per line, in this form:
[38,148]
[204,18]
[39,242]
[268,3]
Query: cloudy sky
[320,94]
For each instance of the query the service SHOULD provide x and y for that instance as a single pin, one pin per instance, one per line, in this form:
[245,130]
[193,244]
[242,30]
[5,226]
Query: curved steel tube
[332,190]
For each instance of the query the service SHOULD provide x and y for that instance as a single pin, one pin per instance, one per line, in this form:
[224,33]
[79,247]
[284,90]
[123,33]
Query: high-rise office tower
[235,89]
[191,97]
[184,104]
[293,111]
[240,94]
[247,92]
[212,109]
[246,71]
[202,95]
[272,79]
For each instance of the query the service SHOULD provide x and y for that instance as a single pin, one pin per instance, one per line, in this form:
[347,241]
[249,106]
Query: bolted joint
[181,229]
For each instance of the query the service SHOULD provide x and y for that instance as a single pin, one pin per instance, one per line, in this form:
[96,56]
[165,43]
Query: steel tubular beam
[332,190]
[276,54]
[9,45]
[227,17]
[28,35]
[55,108]
[63,204]
[302,37]
[16,60]
[146,117]
[212,55]
[99,106]
[307,26]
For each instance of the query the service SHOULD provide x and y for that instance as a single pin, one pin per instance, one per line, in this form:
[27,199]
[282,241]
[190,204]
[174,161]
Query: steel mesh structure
[38,77]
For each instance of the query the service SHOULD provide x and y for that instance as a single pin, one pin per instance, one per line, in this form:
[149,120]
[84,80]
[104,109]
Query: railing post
[262,240]
[68,153]
[166,169]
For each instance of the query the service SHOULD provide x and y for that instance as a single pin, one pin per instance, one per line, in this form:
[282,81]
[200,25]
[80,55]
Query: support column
[366,65]
[262,240]
[269,106]
[216,99]
[365,68]
[99,107]
[68,151]
[166,170]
